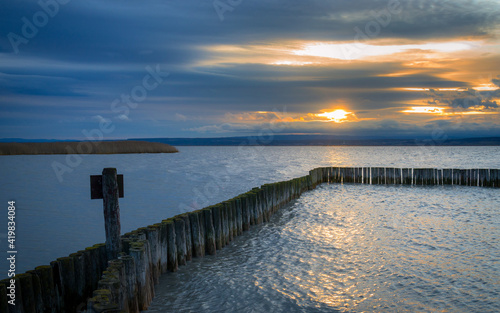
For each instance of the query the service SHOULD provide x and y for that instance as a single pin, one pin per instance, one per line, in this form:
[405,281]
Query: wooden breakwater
[89,281]
[407,176]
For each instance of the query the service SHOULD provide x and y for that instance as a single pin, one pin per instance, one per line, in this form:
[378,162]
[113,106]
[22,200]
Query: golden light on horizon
[486,87]
[353,50]
[337,116]
[441,111]
[291,63]
[428,89]
[425,110]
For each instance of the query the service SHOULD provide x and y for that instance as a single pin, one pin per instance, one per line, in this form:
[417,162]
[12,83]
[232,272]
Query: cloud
[101,119]
[123,117]
[496,81]
[180,117]
[467,99]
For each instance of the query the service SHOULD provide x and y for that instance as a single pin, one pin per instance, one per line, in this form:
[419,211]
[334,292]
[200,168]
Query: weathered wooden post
[212,242]
[172,263]
[196,235]
[111,189]
[111,212]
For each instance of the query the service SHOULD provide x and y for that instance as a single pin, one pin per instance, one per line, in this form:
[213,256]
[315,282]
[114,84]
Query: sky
[217,68]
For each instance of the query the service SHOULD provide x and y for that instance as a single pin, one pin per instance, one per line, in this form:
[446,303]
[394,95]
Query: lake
[55,218]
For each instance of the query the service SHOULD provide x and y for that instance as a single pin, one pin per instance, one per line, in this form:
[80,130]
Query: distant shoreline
[322,140]
[84,147]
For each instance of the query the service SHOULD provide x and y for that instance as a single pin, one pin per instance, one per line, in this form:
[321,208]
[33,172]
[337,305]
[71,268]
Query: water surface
[354,248]
[56,218]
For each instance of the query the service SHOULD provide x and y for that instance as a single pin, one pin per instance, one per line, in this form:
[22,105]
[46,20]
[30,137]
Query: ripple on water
[354,248]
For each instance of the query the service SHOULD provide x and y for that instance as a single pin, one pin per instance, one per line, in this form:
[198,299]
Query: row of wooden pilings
[87,281]
[408,176]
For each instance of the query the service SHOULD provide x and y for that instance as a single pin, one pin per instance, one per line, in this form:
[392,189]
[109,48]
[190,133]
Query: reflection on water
[354,248]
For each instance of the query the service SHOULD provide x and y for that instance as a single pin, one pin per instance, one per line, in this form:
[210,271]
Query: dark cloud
[467,99]
[496,81]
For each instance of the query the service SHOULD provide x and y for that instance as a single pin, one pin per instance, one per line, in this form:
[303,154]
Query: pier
[120,275]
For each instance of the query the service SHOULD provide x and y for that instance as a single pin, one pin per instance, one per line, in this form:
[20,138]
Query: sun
[337,116]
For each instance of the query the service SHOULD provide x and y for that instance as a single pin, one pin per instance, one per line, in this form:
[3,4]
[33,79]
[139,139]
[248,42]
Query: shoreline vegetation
[84,147]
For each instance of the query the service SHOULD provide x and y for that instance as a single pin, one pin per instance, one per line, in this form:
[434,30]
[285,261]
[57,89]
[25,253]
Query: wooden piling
[172,262]
[397,176]
[225,224]
[113,279]
[28,300]
[234,219]
[189,240]
[212,239]
[103,255]
[201,219]
[266,212]
[245,212]
[406,176]
[195,235]
[349,175]
[217,223]
[37,291]
[417,176]
[49,297]
[438,176]
[258,210]
[239,216]
[67,276]
[80,277]
[87,272]
[251,199]
[163,242]
[152,236]
[447,176]
[58,288]
[94,266]
[483,178]
[139,253]
[111,212]
[334,176]
[495,178]
[463,177]
[229,216]
[374,176]
[180,240]
[131,287]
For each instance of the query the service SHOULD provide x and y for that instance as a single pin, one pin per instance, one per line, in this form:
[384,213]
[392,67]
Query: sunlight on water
[355,248]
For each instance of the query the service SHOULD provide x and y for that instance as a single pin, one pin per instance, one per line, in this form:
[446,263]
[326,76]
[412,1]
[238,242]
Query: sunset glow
[291,63]
[350,50]
[443,111]
[426,110]
[337,116]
